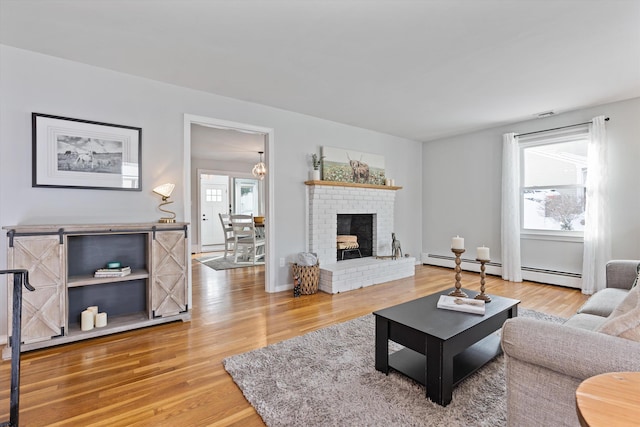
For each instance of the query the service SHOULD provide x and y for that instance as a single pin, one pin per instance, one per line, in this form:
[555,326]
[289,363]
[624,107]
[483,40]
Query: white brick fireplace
[326,201]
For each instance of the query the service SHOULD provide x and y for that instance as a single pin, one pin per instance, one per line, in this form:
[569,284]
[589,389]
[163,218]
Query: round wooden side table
[611,399]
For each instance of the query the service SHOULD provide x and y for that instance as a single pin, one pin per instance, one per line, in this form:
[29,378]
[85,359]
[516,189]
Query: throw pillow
[624,321]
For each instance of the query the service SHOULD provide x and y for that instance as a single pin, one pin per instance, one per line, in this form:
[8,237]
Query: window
[213,194]
[554,172]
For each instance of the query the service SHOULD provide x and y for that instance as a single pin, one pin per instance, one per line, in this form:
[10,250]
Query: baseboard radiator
[551,277]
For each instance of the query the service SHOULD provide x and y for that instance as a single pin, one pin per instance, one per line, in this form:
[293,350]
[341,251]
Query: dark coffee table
[442,347]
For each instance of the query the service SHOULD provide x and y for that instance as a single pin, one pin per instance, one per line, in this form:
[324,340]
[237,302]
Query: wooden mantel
[352,184]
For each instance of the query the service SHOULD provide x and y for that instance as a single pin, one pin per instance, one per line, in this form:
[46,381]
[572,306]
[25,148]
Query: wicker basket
[308,277]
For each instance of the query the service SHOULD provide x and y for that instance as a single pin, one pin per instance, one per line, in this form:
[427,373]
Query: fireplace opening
[360,229]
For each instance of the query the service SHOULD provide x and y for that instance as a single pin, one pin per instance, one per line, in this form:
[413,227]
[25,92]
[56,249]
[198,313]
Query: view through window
[554,172]
[247,198]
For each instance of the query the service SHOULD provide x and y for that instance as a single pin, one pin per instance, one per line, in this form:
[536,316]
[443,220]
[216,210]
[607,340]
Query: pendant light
[259,170]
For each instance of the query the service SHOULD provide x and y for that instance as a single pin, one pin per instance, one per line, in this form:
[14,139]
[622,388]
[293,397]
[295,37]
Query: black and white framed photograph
[74,153]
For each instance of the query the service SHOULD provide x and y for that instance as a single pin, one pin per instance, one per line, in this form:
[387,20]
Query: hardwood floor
[172,375]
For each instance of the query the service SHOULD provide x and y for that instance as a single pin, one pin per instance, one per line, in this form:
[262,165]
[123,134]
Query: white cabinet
[62,259]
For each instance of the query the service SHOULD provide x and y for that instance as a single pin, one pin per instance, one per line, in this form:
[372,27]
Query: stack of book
[112,272]
[467,305]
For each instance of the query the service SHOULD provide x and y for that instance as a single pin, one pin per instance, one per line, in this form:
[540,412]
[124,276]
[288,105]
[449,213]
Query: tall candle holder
[458,292]
[482,296]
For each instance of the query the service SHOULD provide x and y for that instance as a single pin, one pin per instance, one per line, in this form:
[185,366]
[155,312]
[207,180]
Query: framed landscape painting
[352,166]
[74,153]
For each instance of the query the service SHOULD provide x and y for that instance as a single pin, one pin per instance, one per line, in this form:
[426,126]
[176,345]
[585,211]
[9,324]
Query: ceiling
[416,69]
[226,145]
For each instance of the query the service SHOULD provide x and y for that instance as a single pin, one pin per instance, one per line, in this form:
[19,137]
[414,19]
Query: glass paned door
[247,197]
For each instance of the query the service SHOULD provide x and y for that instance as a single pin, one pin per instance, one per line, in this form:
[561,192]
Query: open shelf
[412,364]
[88,279]
[114,323]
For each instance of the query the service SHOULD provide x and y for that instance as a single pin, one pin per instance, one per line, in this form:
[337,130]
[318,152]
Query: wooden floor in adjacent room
[172,374]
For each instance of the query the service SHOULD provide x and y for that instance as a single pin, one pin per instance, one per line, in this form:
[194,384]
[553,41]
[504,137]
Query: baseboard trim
[550,277]
[491,268]
[285,287]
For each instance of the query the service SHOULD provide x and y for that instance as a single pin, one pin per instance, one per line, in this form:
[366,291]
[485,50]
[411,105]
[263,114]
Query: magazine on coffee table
[467,305]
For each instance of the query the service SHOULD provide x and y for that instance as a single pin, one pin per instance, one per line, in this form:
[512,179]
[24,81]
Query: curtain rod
[606,119]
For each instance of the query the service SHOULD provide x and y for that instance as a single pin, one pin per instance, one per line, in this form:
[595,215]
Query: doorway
[224,194]
[192,165]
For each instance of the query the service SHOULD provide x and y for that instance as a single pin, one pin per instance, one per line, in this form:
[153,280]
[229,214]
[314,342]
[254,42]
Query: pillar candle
[86,320]
[457,243]
[483,253]
[101,320]
[93,309]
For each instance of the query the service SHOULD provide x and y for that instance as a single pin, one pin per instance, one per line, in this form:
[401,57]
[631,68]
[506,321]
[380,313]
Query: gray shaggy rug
[328,378]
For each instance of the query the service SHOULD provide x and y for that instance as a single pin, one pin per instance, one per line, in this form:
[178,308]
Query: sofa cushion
[603,302]
[624,321]
[590,322]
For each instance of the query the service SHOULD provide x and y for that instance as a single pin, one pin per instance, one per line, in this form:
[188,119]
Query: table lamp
[165,191]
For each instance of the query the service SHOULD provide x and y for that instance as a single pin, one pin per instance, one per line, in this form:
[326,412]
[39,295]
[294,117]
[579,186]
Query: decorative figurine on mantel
[396,249]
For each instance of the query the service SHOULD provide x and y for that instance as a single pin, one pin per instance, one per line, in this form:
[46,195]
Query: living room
[451,179]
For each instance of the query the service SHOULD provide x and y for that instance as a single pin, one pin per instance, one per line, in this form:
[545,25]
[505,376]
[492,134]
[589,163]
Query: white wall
[31,82]
[462,181]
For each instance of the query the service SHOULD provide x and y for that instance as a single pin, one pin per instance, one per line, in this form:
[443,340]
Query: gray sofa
[545,361]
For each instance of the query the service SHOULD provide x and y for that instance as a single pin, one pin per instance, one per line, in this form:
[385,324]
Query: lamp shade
[259,170]
[164,190]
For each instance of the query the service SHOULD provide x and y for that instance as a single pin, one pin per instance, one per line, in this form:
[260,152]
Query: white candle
[457,243]
[101,320]
[86,320]
[93,309]
[483,253]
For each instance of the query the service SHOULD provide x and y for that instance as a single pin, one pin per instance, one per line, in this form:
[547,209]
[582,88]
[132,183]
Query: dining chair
[227,229]
[258,222]
[246,243]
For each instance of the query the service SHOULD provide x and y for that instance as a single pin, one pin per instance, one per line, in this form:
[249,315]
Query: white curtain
[597,233]
[511,262]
